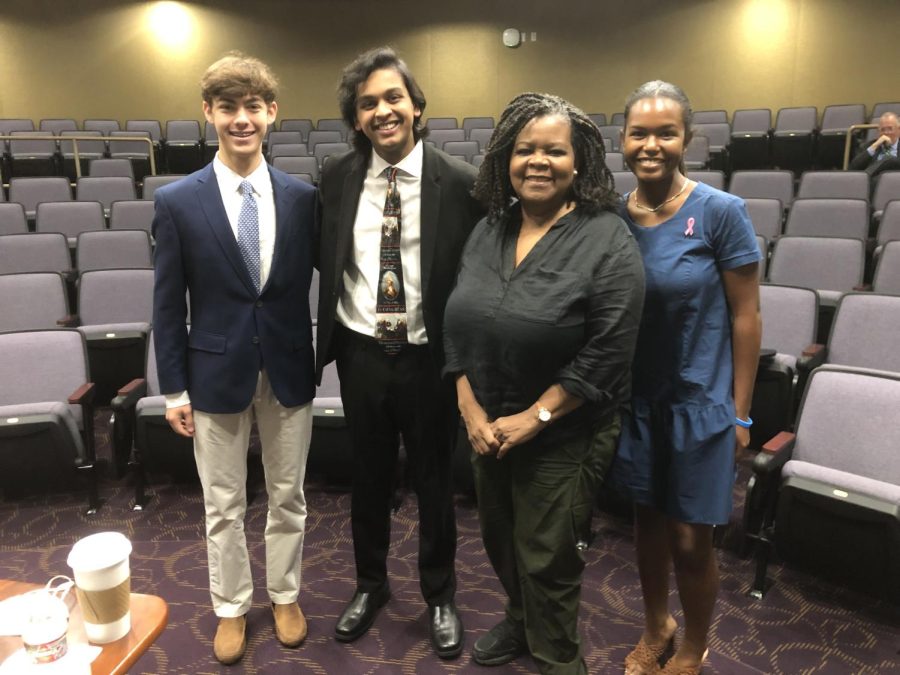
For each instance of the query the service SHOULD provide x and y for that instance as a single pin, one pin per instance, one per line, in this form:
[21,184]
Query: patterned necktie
[390,309]
[248,232]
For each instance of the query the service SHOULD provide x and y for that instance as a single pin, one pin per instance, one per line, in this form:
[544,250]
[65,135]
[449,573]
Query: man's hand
[882,140]
[181,419]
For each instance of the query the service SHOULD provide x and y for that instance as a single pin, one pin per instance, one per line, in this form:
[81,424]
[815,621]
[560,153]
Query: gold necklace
[658,207]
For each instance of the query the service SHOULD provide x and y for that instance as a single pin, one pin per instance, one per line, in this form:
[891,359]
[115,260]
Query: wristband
[747,423]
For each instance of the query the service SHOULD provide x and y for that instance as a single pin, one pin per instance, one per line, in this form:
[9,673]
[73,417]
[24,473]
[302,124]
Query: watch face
[544,415]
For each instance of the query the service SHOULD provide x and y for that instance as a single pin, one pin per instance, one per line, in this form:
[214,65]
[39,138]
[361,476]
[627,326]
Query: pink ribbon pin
[689,232]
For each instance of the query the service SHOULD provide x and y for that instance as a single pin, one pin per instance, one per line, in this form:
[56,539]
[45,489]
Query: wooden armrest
[131,386]
[68,321]
[779,442]
[84,394]
[813,350]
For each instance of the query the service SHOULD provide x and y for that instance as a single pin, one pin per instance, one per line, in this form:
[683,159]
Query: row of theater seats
[826,484]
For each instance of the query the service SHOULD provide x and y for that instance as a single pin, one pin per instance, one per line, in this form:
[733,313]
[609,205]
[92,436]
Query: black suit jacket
[449,213]
[863,161]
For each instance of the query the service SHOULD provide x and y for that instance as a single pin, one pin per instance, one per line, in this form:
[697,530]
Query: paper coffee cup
[103,585]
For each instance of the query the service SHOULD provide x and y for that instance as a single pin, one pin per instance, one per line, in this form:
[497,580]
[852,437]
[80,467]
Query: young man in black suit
[381,310]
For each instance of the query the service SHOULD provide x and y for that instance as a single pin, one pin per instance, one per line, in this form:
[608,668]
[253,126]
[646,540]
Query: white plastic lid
[99,551]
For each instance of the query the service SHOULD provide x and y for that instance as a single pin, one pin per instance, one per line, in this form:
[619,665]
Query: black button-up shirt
[568,315]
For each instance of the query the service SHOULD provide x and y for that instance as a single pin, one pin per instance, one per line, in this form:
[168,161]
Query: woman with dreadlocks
[539,334]
[694,370]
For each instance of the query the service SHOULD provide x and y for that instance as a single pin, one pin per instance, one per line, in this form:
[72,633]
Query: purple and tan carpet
[804,625]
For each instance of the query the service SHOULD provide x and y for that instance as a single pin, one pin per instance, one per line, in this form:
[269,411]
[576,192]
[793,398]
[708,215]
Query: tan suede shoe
[231,639]
[290,624]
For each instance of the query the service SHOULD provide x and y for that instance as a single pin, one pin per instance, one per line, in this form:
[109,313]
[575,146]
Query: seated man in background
[881,155]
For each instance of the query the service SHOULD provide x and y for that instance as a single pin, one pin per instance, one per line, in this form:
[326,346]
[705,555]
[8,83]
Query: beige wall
[99,58]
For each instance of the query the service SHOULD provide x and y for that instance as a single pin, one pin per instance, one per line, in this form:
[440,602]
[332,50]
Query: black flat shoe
[446,630]
[360,613]
[501,644]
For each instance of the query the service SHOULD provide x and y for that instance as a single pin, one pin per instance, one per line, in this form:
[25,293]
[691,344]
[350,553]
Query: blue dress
[676,451]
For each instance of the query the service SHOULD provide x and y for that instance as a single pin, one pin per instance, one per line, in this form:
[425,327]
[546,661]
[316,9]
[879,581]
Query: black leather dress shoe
[360,613]
[446,630]
[501,644]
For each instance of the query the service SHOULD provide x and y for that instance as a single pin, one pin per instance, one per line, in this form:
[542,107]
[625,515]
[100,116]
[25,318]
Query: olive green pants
[535,509]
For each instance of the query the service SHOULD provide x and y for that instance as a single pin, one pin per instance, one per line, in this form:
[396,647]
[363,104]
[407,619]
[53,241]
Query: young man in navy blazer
[393,390]
[237,235]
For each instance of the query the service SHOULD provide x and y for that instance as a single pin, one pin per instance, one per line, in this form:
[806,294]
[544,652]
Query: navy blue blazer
[235,331]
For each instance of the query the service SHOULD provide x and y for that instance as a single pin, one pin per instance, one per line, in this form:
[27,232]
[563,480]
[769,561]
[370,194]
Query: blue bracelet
[747,423]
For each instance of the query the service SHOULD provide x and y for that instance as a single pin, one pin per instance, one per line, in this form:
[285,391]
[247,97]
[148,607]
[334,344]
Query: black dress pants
[386,397]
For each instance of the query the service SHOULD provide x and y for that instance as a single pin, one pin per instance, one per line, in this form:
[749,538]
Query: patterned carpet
[803,626]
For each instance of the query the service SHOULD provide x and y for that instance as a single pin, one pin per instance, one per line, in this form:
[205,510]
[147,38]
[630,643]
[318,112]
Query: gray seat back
[789,318]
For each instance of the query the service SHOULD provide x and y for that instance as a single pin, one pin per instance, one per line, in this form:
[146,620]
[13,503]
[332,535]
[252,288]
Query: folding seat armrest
[863,287]
[775,453]
[128,395]
[84,395]
[812,357]
[68,321]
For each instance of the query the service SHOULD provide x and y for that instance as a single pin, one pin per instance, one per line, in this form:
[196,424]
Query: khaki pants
[535,508]
[220,447]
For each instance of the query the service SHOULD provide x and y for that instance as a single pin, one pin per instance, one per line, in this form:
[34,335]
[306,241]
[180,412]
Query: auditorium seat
[887,272]
[303,125]
[845,218]
[612,134]
[482,137]
[834,185]
[88,150]
[153,183]
[828,494]
[789,323]
[889,227]
[719,135]
[291,164]
[131,214]
[830,266]
[333,124]
[317,136]
[305,177]
[46,400]
[104,189]
[470,123]
[210,142]
[832,137]
[463,149]
[715,179]
[288,150]
[883,107]
[141,436]
[710,117]
[12,219]
[750,130]
[324,150]
[113,249]
[111,167]
[433,123]
[887,188]
[330,451]
[34,252]
[766,216]
[104,126]
[696,155]
[183,146]
[33,301]
[57,126]
[8,126]
[29,192]
[617,119]
[137,151]
[115,308]
[763,185]
[615,161]
[69,218]
[624,181]
[793,138]
[441,136]
[33,153]
[598,118]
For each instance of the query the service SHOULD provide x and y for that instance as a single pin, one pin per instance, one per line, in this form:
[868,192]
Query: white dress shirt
[229,187]
[356,306]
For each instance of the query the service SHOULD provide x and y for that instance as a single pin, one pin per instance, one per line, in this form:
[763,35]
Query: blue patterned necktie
[248,232]
[390,308]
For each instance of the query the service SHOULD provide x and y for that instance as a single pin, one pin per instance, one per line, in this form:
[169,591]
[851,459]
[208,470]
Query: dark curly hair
[592,188]
[358,72]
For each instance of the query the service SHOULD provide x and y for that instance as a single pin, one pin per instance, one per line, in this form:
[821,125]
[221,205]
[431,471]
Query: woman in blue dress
[693,374]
